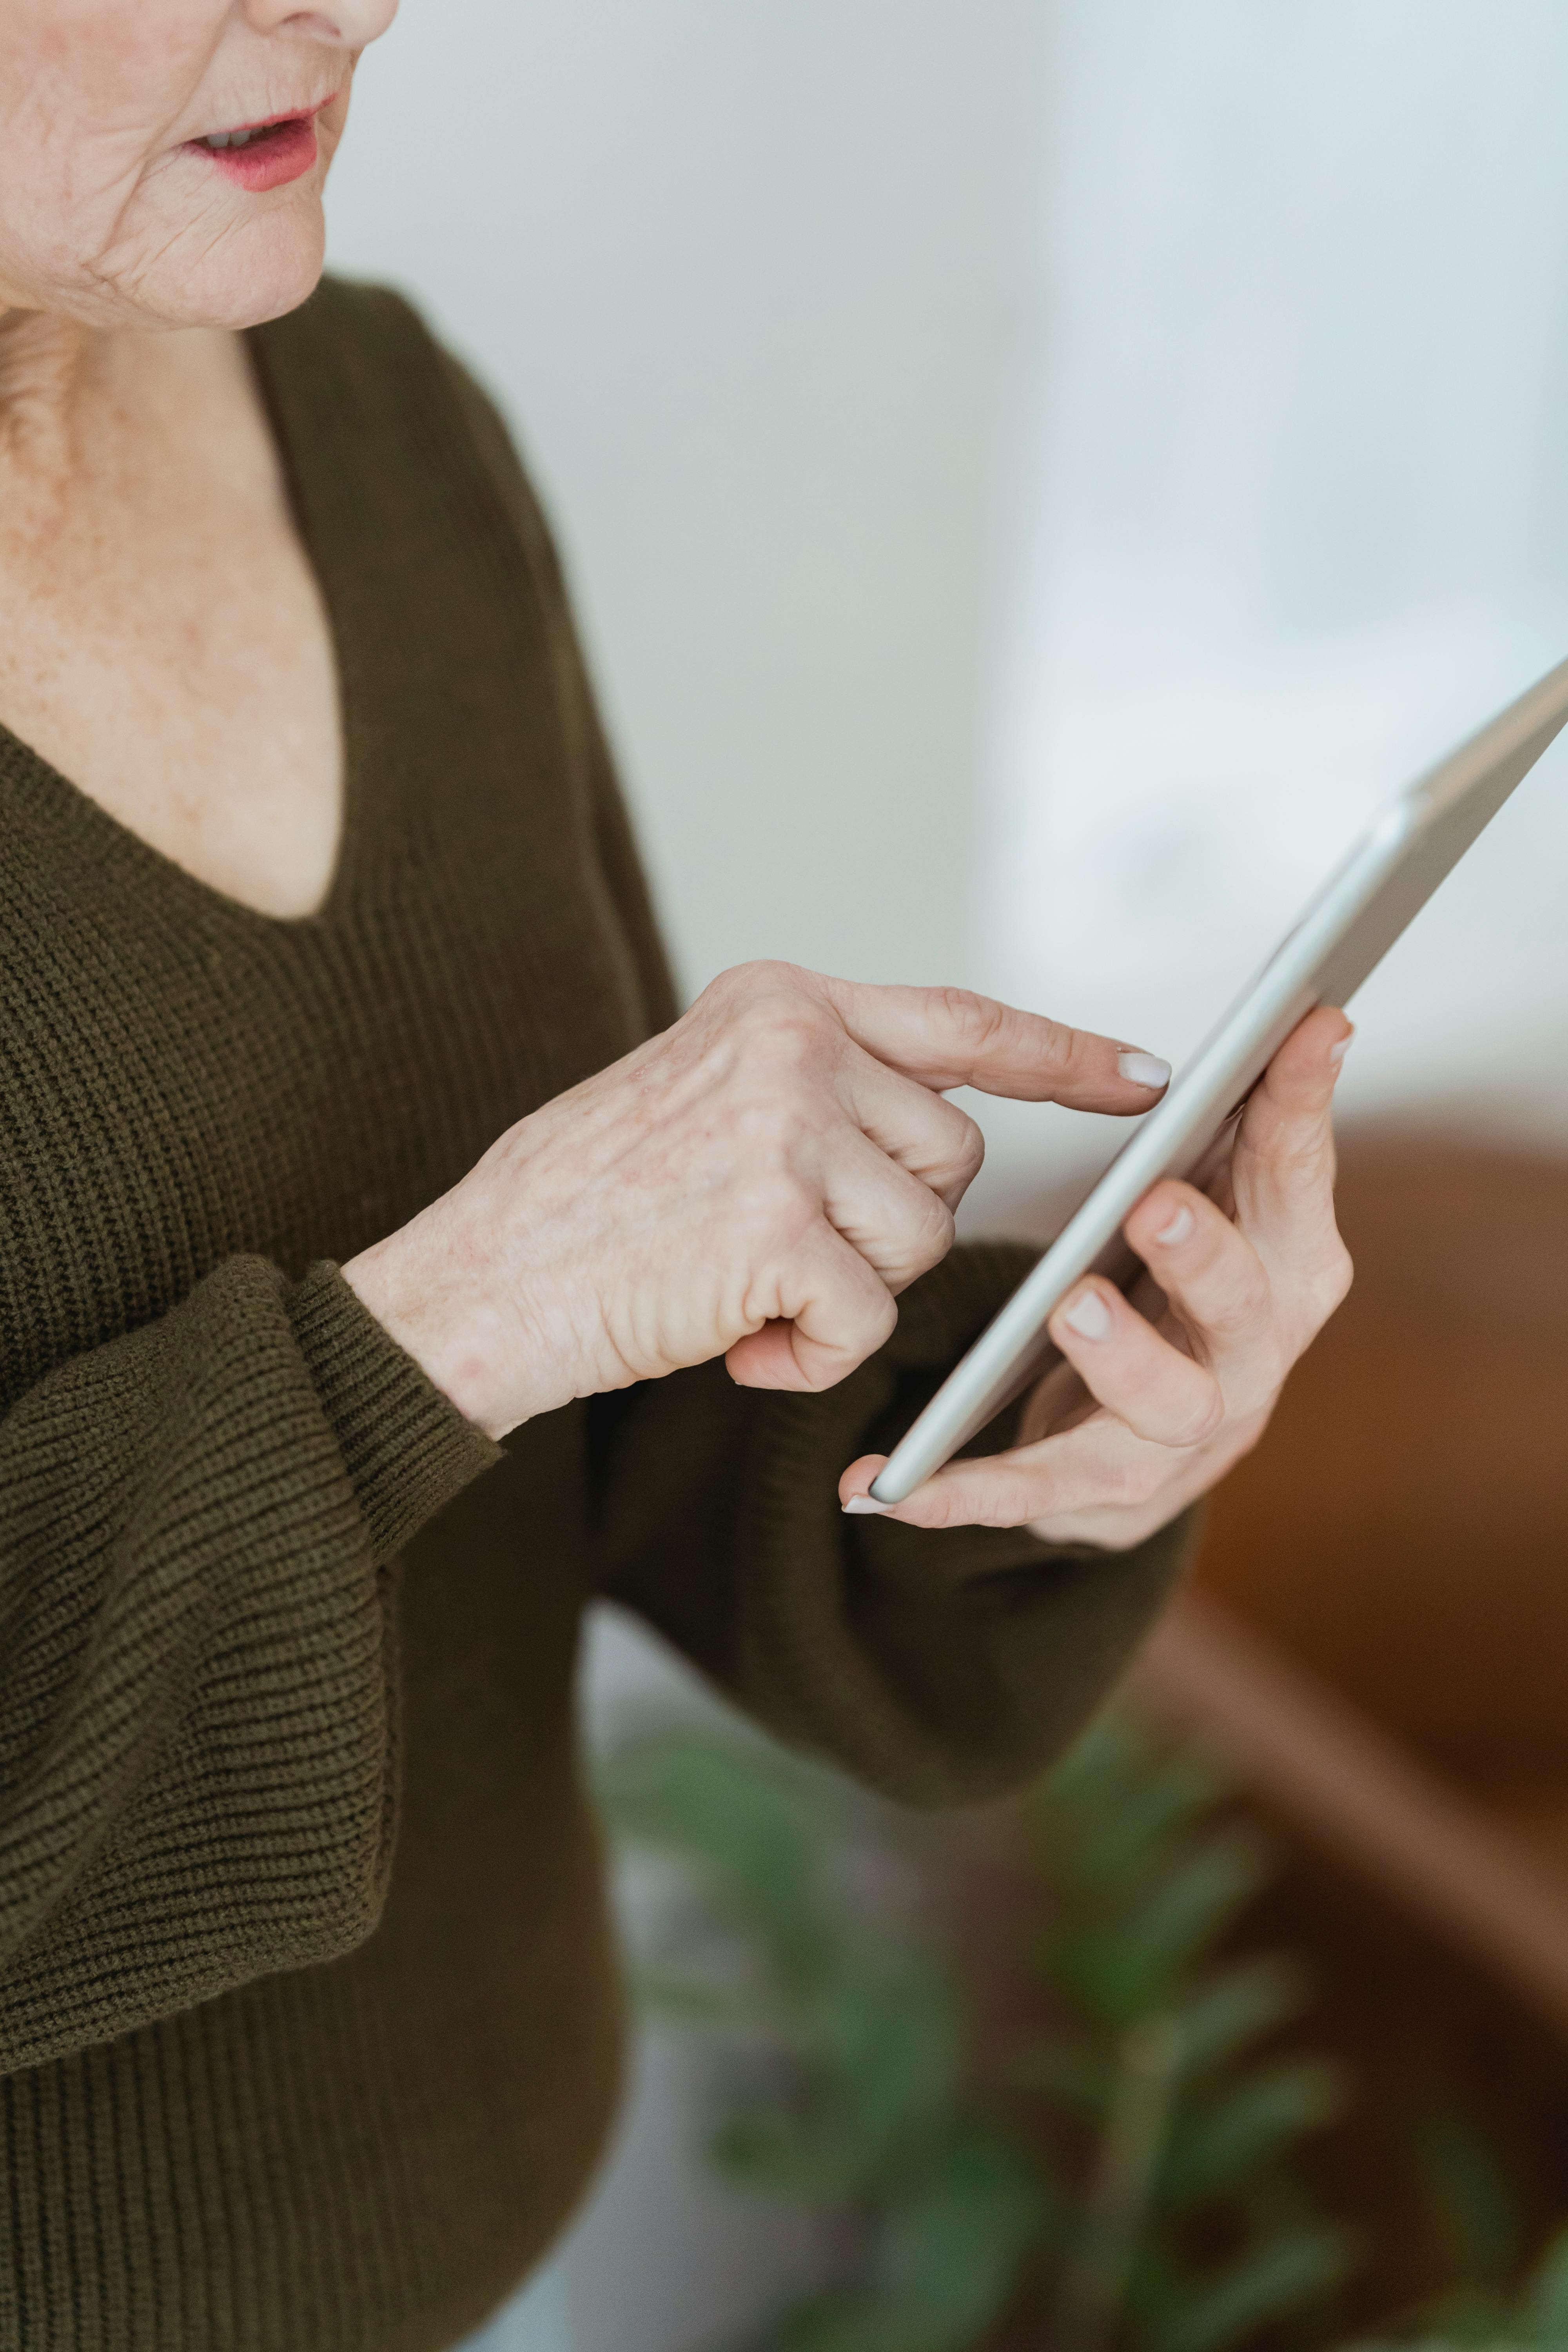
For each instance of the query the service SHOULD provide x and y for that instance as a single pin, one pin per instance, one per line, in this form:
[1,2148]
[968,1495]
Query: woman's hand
[1143,1417]
[758,1183]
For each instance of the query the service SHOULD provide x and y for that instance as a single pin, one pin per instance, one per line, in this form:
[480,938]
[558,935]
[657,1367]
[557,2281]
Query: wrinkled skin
[104,218]
[163,641]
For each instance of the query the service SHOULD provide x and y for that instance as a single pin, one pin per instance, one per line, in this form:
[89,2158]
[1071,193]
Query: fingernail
[862,1505]
[1180,1226]
[1144,1069]
[1337,1053]
[1089,1315]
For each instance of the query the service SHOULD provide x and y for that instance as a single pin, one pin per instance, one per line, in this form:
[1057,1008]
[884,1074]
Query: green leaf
[1284,2274]
[1470,2314]
[1473,2194]
[1228,2140]
[1230,2010]
[753,1831]
[1546,2299]
[1151,1823]
[887,2033]
[759,2152]
[948,2256]
[1119,1970]
[1502,2336]
[882,2060]
[1076,2076]
[860,2323]
[957,2232]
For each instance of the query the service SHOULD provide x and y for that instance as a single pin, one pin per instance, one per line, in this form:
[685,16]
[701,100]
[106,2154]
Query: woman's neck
[48,367]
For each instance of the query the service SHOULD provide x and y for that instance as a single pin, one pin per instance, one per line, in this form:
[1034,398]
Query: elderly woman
[387,1268]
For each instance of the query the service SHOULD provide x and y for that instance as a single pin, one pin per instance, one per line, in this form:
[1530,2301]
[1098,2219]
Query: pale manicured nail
[1180,1226]
[1337,1053]
[1089,1315]
[862,1505]
[1144,1070]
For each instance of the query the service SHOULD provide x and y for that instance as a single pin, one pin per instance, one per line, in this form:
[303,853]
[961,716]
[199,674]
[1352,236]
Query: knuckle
[1200,1417]
[787,1034]
[1246,1302]
[757,995]
[823,1370]
[862,1309]
[726,996]
[992,1503]
[778,1060]
[1320,1294]
[777,1210]
[931,1230]
[1004,1504]
[975,1021]
[968,1148]
[1071,1047]
[943,1509]
[1332,1285]
[763,975]
[1131,1483]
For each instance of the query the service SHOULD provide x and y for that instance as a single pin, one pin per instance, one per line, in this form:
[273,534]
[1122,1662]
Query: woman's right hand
[758,1182]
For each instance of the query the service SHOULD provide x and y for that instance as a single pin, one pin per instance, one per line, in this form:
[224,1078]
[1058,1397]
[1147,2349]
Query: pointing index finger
[951,1037]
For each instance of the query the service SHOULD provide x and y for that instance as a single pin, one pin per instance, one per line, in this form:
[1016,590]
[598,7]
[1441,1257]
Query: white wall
[746,277]
[1295,518]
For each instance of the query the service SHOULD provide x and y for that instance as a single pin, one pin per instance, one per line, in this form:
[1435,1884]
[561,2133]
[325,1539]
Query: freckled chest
[163,641]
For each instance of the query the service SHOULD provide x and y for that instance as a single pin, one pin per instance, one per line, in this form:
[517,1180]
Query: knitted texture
[308,2024]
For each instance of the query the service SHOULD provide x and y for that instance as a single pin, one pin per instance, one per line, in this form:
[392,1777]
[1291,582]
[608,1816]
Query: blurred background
[1036,473]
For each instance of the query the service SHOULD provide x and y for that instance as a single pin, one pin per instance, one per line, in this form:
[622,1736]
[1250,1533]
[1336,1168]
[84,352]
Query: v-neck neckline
[92,816]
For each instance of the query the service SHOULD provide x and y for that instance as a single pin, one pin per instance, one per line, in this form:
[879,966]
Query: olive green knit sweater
[308,2023]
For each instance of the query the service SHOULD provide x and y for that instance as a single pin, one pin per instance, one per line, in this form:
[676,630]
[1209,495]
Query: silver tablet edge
[1014,1345]
[1169,1140]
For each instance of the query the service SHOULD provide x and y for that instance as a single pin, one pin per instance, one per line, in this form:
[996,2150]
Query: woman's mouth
[262,155]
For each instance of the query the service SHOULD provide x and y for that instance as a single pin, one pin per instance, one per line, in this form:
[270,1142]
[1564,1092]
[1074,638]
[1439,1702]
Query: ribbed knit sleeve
[198,1694]
[944,1667]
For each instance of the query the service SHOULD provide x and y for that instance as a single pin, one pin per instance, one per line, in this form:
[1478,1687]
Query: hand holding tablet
[1138,1418]
[1070,1330]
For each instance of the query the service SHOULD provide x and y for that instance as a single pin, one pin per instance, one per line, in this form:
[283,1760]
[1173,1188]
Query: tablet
[1347,930]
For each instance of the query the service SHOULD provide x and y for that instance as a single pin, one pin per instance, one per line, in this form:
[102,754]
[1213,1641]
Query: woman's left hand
[1143,1417]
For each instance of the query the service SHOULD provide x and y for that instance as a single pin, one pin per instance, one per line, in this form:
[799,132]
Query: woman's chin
[259,270]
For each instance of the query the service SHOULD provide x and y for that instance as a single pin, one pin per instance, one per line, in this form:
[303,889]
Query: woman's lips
[273,152]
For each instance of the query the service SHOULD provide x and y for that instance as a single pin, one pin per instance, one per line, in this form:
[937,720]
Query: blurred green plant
[1480,2209]
[1192,2227]
[1475,2319]
[863,2110]
[1474,2202]
[1167,2135]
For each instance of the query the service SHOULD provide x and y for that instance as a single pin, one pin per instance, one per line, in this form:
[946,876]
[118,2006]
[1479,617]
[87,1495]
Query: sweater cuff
[406,1447]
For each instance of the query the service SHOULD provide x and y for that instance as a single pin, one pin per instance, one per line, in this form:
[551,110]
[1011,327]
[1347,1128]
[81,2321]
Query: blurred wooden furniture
[1344,1785]
[1404,1527]
[1401,1540]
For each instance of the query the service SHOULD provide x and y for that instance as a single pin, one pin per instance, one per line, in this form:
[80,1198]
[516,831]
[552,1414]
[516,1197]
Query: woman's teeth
[236,137]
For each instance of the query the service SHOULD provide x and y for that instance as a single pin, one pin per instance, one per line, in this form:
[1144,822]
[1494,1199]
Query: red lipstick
[257,155]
